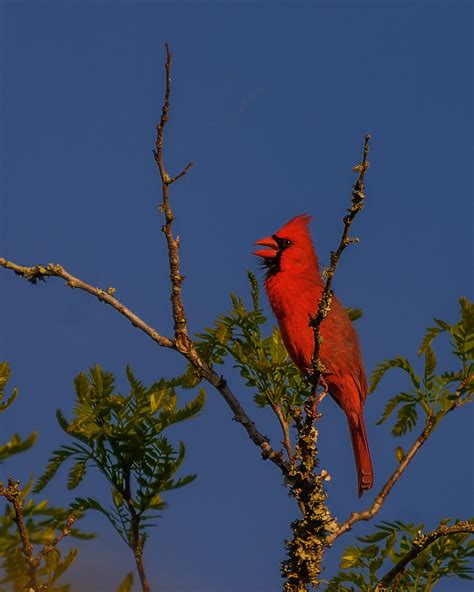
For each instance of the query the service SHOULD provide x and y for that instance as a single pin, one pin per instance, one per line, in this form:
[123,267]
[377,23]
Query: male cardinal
[294,288]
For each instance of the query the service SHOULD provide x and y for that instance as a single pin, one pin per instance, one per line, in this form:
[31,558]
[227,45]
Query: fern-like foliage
[432,394]
[262,361]
[363,565]
[16,444]
[122,435]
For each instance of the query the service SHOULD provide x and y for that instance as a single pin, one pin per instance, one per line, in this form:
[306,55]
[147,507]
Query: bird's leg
[319,397]
[312,403]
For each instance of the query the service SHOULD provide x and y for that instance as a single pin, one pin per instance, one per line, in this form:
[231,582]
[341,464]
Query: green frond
[82,387]
[58,457]
[16,445]
[191,409]
[398,362]
[4,377]
[254,290]
[76,473]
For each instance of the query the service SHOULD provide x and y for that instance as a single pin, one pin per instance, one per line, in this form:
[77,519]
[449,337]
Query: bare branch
[179,316]
[431,423]
[182,342]
[421,543]
[187,349]
[40,272]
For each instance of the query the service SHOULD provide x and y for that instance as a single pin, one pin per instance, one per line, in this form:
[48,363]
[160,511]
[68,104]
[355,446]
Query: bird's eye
[286,242]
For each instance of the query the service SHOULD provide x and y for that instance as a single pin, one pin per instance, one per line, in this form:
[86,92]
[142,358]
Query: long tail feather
[360,445]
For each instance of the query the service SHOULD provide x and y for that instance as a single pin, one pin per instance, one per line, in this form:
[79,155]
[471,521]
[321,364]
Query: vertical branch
[311,532]
[136,541]
[12,494]
[182,341]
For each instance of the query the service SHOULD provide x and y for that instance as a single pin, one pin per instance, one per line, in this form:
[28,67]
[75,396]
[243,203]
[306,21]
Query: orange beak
[272,249]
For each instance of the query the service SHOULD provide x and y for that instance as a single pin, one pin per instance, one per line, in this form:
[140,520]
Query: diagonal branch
[357,205]
[421,543]
[431,423]
[41,272]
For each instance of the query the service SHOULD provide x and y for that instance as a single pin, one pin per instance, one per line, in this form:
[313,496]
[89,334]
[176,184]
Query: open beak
[270,251]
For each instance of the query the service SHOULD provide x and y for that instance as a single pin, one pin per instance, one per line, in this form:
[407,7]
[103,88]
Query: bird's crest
[297,226]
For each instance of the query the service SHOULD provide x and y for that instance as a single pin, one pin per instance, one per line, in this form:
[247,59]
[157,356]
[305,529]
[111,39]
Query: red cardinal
[294,287]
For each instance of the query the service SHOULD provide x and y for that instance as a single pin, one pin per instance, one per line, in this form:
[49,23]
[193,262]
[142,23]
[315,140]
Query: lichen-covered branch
[420,543]
[306,548]
[312,531]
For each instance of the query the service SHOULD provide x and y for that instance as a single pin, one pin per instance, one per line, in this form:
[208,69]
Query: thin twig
[12,494]
[421,543]
[324,307]
[66,531]
[379,500]
[285,428]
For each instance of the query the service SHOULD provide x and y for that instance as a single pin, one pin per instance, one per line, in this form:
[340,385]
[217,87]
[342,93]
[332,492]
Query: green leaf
[127,583]
[399,453]
[350,557]
[76,473]
[16,445]
[4,377]
[354,313]
[407,417]
[59,456]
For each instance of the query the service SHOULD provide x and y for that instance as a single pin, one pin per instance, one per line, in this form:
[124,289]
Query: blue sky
[271,102]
